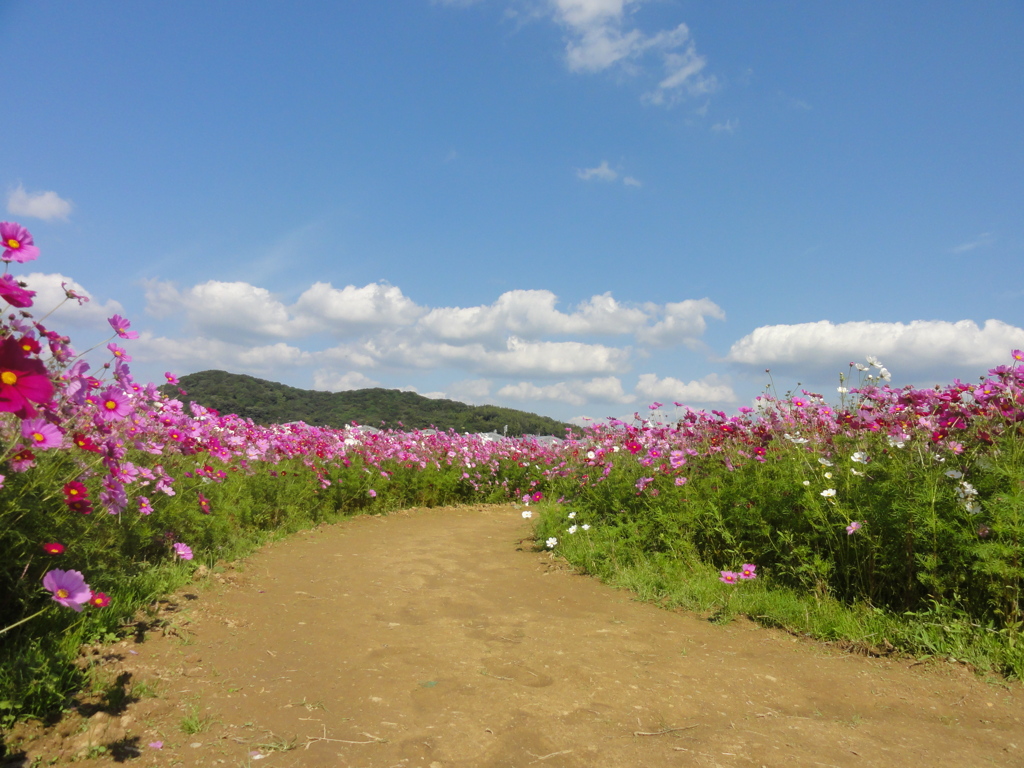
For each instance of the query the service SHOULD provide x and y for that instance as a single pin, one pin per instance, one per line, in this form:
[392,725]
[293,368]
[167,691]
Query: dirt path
[433,638]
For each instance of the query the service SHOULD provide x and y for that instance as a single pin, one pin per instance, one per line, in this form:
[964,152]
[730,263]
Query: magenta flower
[41,434]
[204,503]
[13,293]
[371,493]
[68,588]
[119,352]
[537,496]
[184,551]
[23,380]
[113,404]
[121,326]
[852,528]
[17,243]
[99,599]
[53,548]
[171,378]
[729,577]
[144,506]
[748,571]
[1018,355]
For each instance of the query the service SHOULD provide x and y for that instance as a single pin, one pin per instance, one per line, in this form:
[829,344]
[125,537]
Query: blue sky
[573,207]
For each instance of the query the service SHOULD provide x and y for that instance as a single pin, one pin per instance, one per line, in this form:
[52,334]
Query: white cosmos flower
[828,493]
[807,482]
[585,527]
[551,543]
[572,515]
[860,457]
[824,461]
[953,473]
[527,514]
[828,475]
[572,529]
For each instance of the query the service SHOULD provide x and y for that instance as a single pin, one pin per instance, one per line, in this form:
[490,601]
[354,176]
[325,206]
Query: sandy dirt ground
[441,639]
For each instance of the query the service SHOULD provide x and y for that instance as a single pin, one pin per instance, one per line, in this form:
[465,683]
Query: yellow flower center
[38,437]
[10,378]
[12,243]
[110,405]
[62,593]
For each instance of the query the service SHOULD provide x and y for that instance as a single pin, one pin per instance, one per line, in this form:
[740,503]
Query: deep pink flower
[184,551]
[204,503]
[144,506]
[121,326]
[171,378]
[54,548]
[537,496]
[75,490]
[119,352]
[729,577]
[13,293]
[68,588]
[748,571]
[72,294]
[99,600]
[113,404]
[23,380]
[1018,355]
[41,434]
[17,243]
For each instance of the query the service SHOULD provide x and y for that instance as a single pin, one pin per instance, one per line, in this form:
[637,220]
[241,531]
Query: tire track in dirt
[434,638]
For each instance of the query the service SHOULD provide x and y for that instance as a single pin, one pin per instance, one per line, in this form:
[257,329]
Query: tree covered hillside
[267,402]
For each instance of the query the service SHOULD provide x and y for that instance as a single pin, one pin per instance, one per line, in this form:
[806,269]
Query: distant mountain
[267,402]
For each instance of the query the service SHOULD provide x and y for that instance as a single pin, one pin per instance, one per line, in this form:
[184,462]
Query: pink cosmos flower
[371,493]
[17,243]
[144,506]
[171,378]
[655,405]
[852,528]
[23,380]
[99,600]
[54,548]
[13,293]
[184,551]
[121,326]
[41,434]
[537,496]
[204,503]
[73,294]
[113,404]
[729,577]
[68,588]
[119,352]
[748,571]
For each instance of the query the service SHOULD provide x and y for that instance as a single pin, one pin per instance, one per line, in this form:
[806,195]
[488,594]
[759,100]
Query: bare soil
[440,638]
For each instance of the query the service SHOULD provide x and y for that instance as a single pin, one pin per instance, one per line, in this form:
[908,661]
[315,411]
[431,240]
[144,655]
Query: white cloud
[544,358]
[532,314]
[39,205]
[629,181]
[710,389]
[681,322]
[981,241]
[333,381]
[599,38]
[729,126]
[601,173]
[606,389]
[199,353]
[351,309]
[472,391]
[920,346]
[70,317]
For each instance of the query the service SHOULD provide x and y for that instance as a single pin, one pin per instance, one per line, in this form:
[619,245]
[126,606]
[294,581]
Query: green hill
[267,402]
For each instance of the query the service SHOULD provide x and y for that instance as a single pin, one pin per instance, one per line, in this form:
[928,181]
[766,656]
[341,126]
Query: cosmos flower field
[903,502]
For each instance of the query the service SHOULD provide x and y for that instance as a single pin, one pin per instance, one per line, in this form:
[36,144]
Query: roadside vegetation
[885,519]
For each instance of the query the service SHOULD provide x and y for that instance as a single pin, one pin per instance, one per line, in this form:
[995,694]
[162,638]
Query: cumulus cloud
[333,381]
[198,353]
[351,309]
[606,389]
[920,346]
[38,205]
[532,313]
[710,389]
[70,316]
[681,322]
